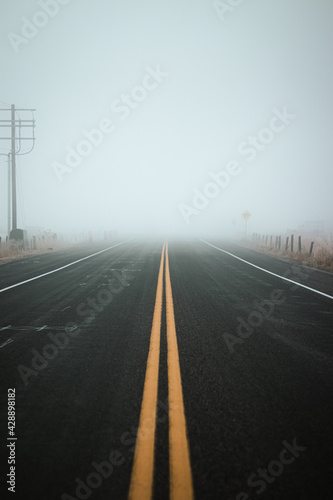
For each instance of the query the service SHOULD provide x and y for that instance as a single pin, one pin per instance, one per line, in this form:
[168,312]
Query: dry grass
[322,254]
[10,249]
[13,250]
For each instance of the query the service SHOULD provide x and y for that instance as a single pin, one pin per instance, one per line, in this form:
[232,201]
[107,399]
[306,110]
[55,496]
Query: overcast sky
[204,109]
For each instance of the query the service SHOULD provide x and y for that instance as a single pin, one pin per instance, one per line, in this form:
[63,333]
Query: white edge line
[8,341]
[270,272]
[60,268]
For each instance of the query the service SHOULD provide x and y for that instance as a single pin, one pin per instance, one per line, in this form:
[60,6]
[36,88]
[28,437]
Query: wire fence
[315,249]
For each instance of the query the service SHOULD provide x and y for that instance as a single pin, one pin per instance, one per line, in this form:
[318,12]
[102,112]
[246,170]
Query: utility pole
[9,196]
[14,208]
[15,124]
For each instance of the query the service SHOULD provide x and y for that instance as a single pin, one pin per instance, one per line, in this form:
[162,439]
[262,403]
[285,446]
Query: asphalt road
[240,406]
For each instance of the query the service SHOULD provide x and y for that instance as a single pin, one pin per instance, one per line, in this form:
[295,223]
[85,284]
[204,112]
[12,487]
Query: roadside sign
[246,215]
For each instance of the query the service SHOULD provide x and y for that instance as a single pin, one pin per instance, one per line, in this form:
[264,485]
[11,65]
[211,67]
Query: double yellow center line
[141,486]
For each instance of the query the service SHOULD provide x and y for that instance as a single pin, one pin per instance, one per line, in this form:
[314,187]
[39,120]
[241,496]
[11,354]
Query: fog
[170,118]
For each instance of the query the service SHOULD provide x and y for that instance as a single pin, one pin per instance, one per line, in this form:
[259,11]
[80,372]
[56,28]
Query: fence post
[311,247]
[292,243]
[279,242]
[299,244]
[287,243]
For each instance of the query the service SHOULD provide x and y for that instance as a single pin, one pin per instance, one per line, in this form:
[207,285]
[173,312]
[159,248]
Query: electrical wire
[19,138]
[32,138]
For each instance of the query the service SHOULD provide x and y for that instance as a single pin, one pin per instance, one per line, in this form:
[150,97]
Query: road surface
[182,370]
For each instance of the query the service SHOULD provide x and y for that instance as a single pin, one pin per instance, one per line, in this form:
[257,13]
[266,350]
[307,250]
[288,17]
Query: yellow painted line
[181,485]
[141,486]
